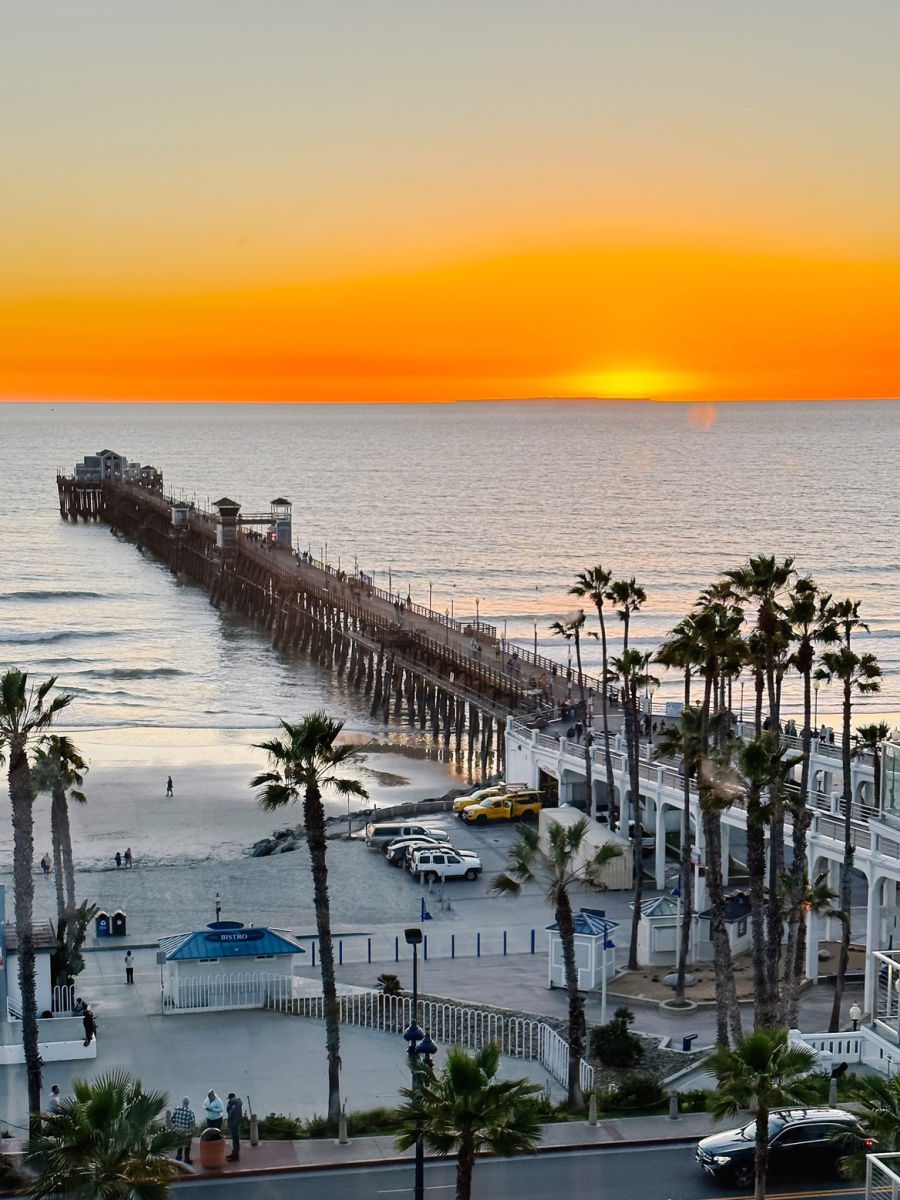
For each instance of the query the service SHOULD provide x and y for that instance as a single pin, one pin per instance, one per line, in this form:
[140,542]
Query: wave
[52,595]
[60,635]
[131,672]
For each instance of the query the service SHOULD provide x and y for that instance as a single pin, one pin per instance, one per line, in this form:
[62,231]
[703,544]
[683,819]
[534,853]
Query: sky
[429,201]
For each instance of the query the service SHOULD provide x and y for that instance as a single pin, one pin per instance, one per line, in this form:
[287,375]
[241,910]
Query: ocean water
[504,502]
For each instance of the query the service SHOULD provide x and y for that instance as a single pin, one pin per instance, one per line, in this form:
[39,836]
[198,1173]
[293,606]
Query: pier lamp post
[477,612]
[651,688]
[430,586]
[816,685]
[742,701]
[218,906]
[447,628]
[420,1049]
[535,637]
[452,595]
[390,583]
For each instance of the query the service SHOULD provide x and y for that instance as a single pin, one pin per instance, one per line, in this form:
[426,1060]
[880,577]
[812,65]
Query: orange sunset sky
[419,200]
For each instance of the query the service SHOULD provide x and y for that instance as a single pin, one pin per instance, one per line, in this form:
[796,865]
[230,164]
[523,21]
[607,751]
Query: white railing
[882,1178]
[63,998]
[450,1024]
[237,989]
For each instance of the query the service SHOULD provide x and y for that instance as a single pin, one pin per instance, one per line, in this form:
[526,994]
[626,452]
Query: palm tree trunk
[847,866]
[756,869]
[632,737]
[465,1165]
[588,738]
[761,1152]
[686,878]
[56,841]
[21,795]
[728,1013]
[604,707]
[577,1028]
[65,837]
[794,962]
[314,819]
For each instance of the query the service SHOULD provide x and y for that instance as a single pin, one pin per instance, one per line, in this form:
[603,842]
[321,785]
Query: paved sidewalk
[322,1153]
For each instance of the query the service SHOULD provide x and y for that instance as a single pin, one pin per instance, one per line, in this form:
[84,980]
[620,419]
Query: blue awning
[592,921]
[235,941]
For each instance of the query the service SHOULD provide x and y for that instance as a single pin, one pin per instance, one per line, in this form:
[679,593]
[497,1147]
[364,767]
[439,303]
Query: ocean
[500,501]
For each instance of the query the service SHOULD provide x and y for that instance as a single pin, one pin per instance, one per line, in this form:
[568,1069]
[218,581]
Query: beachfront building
[546,759]
[107,466]
[226,965]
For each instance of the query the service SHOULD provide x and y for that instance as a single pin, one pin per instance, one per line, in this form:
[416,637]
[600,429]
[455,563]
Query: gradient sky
[444,199]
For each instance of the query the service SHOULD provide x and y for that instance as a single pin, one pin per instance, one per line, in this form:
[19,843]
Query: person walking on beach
[128,859]
[118,859]
[47,864]
[170,791]
[129,967]
[54,1100]
[214,1109]
[90,1026]
[235,1112]
[183,1121]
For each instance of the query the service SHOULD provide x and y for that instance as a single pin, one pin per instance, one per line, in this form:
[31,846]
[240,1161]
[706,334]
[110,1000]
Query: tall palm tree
[565,862]
[763,1071]
[860,674]
[570,628]
[58,768]
[26,714]
[305,761]
[761,581]
[465,1108]
[626,596]
[879,1098]
[593,584]
[108,1141]
[631,670]
[684,741]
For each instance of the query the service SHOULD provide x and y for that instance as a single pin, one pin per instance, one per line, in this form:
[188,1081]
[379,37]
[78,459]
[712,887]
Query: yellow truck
[511,806]
[461,803]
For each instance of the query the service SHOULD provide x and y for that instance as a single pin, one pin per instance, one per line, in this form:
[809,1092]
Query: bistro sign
[235,935]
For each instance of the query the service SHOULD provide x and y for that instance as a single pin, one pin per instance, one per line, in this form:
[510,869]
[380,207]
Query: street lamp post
[452,595]
[535,638]
[816,685]
[447,627]
[420,1049]
[477,613]
[650,690]
[742,701]
[430,586]
[390,584]
[218,906]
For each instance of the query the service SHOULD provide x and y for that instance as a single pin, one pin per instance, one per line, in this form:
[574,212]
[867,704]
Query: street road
[613,1173]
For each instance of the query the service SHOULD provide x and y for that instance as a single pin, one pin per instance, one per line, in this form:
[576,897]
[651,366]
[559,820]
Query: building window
[261,956]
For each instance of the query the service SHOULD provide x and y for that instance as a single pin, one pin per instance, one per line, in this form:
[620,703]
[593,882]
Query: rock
[671,979]
[286,847]
[263,848]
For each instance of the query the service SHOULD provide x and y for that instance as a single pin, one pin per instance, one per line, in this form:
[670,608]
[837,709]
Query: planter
[212,1149]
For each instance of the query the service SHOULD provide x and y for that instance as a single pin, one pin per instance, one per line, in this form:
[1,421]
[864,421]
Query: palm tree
[626,596]
[566,861]
[304,762]
[594,584]
[880,1099]
[25,716]
[107,1141]
[58,768]
[631,670]
[465,1108]
[763,1071]
[684,741]
[870,737]
[761,581]
[570,628]
[858,673]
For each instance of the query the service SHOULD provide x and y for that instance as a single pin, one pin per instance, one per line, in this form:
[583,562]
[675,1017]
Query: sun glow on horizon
[636,382]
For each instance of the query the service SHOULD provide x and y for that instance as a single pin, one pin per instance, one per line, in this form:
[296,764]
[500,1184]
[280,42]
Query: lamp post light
[855,1014]
[390,584]
[218,906]
[535,637]
[452,595]
[477,613]
[651,688]
[420,1049]
[816,685]
[430,586]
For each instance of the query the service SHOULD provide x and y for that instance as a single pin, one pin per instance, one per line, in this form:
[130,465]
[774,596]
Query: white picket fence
[234,989]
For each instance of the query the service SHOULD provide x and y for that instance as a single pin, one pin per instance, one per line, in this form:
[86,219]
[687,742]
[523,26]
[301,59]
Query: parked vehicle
[648,839]
[379,835]
[519,806]
[445,864]
[802,1140]
[461,803]
[396,852]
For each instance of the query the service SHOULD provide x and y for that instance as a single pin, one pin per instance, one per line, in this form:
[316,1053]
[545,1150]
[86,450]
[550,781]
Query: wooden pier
[456,679]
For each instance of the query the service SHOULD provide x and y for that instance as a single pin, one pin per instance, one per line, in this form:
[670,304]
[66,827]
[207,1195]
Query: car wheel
[743,1175]
[481,821]
[529,816]
[471,873]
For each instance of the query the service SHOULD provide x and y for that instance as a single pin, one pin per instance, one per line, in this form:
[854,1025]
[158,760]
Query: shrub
[694,1100]
[317,1127]
[372,1122]
[614,1045]
[276,1127]
[634,1092]
[389,984]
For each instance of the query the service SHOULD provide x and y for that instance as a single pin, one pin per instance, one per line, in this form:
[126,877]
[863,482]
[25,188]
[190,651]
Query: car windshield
[776,1124]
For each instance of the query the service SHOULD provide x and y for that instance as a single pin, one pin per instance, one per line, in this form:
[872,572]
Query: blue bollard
[478,945]
[369,941]
[504,943]
[340,954]
[396,950]
[313,953]
[425,947]
[453,945]
[532,941]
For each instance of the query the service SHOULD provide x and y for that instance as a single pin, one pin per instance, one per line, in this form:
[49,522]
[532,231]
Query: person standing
[90,1026]
[129,967]
[170,790]
[118,859]
[47,864]
[214,1109]
[183,1121]
[128,859]
[54,1101]
[235,1112]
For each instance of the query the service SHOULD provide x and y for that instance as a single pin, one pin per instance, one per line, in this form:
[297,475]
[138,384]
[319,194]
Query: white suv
[434,864]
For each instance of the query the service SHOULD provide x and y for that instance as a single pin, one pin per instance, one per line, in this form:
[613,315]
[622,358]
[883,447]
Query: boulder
[263,848]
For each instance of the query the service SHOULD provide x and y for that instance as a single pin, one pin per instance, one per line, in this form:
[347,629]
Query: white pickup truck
[433,864]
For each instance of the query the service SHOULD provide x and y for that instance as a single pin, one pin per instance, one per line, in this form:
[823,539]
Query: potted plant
[212,1149]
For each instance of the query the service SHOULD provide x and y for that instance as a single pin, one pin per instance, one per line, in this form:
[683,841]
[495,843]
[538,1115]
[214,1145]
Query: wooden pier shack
[454,678]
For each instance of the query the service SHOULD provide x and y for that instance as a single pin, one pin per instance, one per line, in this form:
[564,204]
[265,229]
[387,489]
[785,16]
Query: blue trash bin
[101,924]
